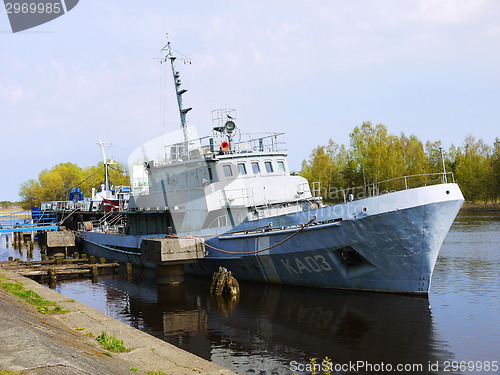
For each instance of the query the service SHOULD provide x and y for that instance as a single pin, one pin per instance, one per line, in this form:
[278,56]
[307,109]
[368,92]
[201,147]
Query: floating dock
[56,269]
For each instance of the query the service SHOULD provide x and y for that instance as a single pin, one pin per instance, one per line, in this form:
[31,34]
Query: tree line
[54,184]
[8,204]
[375,155]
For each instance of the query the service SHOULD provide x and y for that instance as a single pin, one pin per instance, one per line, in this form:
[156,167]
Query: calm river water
[278,329]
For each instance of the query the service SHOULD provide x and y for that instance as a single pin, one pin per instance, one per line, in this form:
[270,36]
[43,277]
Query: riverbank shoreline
[10,210]
[476,207]
[35,343]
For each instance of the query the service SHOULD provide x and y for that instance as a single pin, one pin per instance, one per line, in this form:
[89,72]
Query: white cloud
[11,93]
[449,11]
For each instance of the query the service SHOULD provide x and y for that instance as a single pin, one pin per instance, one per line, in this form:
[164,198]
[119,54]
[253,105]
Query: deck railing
[27,221]
[240,143]
[387,186]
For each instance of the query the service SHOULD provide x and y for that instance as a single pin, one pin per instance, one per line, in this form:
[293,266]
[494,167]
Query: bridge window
[242,168]
[228,172]
[269,166]
[281,166]
[255,167]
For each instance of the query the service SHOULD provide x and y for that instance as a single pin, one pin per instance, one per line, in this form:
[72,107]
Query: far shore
[467,206]
[9,210]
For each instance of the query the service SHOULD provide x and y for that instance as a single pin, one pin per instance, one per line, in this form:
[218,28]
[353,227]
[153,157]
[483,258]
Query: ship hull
[387,243]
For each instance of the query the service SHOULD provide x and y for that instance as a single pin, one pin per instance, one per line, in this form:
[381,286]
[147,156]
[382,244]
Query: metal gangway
[28,221]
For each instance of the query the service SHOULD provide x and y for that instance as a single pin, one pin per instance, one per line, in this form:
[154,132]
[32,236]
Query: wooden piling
[59,258]
[94,274]
[76,255]
[128,271]
[223,282]
[102,260]
[52,277]
[26,237]
[92,259]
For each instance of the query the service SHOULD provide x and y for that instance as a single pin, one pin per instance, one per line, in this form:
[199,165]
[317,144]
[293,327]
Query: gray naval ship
[235,193]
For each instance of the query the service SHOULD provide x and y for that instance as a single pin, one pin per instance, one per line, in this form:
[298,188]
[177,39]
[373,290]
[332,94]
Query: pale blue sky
[314,69]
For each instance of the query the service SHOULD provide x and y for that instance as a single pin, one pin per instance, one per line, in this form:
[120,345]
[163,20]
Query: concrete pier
[170,255]
[42,344]
[58,241]
[169,274]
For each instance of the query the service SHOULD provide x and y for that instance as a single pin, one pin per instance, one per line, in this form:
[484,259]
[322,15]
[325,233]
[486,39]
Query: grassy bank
[467,206]
[42,305]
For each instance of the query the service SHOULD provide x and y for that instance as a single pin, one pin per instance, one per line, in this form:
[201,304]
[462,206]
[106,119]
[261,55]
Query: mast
[441,150]
[179,91]
[102,144]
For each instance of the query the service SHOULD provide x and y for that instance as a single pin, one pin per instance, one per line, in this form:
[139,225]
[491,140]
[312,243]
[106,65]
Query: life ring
[224,146]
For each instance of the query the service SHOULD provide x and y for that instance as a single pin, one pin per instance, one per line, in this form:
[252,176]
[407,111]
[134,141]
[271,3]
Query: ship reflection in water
[272,329]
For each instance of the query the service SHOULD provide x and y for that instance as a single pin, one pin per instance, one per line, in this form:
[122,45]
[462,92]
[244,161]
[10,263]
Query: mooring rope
[250,252]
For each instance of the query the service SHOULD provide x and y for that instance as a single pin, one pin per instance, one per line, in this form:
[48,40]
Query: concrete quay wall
[34,343]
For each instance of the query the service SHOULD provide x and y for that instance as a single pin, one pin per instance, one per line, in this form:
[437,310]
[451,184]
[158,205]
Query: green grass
[42,305]
[111,343]
[155,372]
